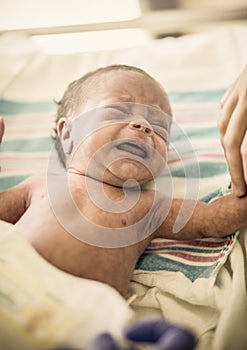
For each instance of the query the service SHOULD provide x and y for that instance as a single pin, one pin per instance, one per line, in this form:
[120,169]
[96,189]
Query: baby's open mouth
[133,148]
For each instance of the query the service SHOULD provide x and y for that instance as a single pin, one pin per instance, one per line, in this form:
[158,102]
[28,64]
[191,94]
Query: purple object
[157,332]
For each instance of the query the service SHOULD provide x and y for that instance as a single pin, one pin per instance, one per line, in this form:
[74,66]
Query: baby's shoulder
[36,180]
[33,184]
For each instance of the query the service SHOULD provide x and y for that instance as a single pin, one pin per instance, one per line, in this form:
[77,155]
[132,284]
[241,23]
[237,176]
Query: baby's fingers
[1,129]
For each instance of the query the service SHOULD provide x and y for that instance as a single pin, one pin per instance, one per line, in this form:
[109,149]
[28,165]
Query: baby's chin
[127,175]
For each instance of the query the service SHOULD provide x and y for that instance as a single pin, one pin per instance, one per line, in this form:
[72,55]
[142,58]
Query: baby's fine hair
[80,90]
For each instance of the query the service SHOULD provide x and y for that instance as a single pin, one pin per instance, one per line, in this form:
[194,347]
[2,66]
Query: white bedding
[42,307]
[209,60]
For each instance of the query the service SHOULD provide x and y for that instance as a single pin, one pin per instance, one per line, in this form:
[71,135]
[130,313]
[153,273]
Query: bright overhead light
[90,41]
[16,14]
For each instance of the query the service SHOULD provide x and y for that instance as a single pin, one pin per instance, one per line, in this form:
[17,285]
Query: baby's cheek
[161,157]
[161,147]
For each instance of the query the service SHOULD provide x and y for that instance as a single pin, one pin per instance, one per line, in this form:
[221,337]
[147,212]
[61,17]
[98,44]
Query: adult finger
[176,338]
[162,334]
[103,341]
[148,330]
[232,141]
[226,113]
[239,86]
[228,93]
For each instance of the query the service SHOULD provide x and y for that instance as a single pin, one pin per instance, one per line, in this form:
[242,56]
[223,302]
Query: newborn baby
[92,214]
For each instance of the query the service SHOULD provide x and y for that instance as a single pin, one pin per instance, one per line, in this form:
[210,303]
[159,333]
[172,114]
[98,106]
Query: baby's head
[132,113]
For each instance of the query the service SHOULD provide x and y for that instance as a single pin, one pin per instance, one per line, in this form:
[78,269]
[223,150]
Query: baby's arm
[216,219]
[14,202]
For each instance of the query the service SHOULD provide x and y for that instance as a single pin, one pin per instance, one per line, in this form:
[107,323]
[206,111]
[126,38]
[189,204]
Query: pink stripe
[22,158]
[207,121]
[174,162]
[212,155]
[16,171]
[191,243]
[198,106]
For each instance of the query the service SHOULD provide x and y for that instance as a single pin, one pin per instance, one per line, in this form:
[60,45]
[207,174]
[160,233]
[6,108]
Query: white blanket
[42,307]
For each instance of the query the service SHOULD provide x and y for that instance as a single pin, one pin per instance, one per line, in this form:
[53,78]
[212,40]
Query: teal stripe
[42,144]
[14,107]
[158,263]
[201,132]
[186,249]
[10,181]
[196,96]
[207,169]
[212,195]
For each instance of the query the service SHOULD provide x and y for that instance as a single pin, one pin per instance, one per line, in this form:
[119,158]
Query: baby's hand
[1,129]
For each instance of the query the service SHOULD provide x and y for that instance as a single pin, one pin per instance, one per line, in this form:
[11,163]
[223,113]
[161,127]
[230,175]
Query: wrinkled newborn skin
[113,266]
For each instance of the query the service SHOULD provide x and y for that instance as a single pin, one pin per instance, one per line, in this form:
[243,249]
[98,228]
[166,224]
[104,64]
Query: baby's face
[126,128]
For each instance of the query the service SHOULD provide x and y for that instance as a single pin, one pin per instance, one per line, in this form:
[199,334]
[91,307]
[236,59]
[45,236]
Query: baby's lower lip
[133,149]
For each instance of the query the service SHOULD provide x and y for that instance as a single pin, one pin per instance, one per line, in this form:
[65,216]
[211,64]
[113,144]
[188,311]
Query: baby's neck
[95,186]
[130,184]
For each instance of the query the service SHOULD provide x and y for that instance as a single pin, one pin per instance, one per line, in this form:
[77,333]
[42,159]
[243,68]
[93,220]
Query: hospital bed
[199,284]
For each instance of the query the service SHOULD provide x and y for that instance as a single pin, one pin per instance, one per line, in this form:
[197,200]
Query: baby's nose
[142,125]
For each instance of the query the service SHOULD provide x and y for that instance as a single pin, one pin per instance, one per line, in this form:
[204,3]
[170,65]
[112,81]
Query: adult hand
[157,332]
[233,126]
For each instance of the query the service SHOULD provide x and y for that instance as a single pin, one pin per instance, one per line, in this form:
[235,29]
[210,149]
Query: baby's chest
[115,210]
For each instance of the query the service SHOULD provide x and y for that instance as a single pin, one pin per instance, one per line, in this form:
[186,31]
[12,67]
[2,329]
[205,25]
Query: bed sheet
[203,61]
[187,283]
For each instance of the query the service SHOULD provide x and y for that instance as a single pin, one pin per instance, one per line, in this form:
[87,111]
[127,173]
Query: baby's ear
[64,133]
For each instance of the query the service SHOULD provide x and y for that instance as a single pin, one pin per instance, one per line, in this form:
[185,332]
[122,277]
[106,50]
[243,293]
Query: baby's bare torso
[44,229]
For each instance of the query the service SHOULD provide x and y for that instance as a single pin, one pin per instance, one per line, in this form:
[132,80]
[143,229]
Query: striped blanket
[27,140]
[195,258]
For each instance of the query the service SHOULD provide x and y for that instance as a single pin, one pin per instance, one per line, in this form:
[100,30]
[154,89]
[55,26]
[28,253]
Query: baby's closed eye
[115,114]
[161,128]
